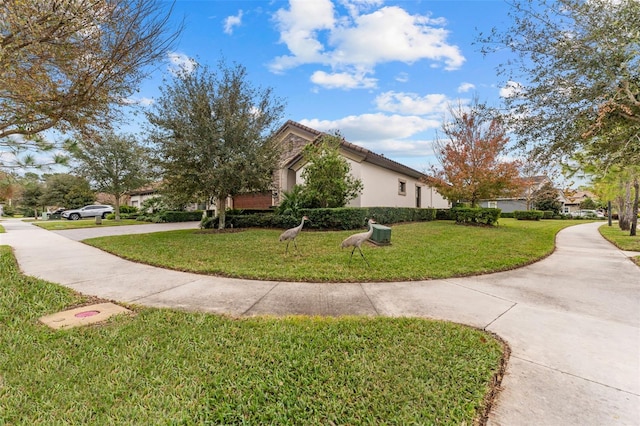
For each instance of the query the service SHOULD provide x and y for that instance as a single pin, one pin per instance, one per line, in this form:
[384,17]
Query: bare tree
[65,64]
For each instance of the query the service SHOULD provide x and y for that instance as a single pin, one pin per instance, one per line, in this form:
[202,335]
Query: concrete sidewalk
[572,320]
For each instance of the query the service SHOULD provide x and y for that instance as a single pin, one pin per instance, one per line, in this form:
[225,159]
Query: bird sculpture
[356,241]
[291,234]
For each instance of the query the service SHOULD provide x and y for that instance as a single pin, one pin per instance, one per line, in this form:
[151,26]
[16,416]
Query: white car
[587,213]
[93,210]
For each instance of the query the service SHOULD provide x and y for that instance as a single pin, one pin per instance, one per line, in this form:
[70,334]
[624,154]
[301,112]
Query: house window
[418,196]
[134,203]
[402,187]
[492,204]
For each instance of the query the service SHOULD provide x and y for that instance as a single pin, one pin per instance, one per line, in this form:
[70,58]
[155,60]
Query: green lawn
[621,239]
[170,367]
[2,229]
[419,251]
[57,225]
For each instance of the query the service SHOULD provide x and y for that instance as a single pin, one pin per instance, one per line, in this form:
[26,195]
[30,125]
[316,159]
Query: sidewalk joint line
[573,375]
[499,316]
[260,299]
[451,281]
[375,309]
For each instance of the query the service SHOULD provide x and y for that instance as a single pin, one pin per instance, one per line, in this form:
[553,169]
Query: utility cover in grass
[84,315]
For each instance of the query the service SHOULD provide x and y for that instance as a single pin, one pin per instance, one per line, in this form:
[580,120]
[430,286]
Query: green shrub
[507,215]
[344,218]
[8,210]
[548,214]
[128,209]
[528,214]
[177,216]
[443,214]
[475,215]
[112,216]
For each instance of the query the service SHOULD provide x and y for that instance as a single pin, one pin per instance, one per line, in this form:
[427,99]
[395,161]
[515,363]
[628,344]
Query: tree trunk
[222,211]
[624,219]
[634,210]
[117,212]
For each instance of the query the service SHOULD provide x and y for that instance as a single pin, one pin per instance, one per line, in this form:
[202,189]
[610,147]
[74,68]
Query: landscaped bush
[339,218]
[475,216]
[128,209]
[112,216]
[507,215]
[528,214]
[443,214]
[180,216]
[8,211]
[548,214]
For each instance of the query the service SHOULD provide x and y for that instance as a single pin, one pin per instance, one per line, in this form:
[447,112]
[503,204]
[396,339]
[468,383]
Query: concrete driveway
[572,320]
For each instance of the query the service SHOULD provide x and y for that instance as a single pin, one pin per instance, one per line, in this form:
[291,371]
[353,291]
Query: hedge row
[340,218]
[170,216]
[475,216]
[529,214]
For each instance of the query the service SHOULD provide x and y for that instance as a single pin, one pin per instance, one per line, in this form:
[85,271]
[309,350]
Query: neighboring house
[572,200]
[524,201]
[386,183]
[140,195]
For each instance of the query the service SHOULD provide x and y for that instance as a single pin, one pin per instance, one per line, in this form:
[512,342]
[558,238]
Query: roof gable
[292,130]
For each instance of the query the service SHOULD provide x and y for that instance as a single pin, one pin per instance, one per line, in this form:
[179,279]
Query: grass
[58,225]
[419,251]
[2,229]
[171,367]
[621,239]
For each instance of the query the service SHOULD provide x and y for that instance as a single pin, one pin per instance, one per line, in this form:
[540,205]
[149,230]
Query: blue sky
[380,72]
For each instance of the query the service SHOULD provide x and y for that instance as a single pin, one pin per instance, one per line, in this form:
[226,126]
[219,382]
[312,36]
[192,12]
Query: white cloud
[355,7]
[412,103]
[403,77]
[356,44]
[465,87]
[138,101]
[511,89]
[179,62]
[374,127]
[391,34]
[299,27]
[232,21]
[389,135]
[342,80]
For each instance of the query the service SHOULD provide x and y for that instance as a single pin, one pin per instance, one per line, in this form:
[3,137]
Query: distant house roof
[146,190]
[365,154]
[578,196]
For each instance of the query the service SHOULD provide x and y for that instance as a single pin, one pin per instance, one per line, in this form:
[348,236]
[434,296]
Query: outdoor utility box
[381,235]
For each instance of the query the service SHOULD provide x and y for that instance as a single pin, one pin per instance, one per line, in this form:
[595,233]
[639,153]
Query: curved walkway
[572,320]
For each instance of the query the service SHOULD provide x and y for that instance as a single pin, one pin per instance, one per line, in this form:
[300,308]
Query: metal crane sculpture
[356,241]
[291,234]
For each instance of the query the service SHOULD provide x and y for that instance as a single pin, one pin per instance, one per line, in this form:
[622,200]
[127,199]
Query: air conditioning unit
[381,235]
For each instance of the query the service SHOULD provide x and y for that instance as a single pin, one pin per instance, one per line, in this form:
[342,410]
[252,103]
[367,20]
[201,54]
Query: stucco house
[386,182]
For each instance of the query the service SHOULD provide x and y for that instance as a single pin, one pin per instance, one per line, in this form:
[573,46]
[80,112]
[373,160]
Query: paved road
[572,320]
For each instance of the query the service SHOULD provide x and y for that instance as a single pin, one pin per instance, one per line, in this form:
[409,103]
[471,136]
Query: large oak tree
[212,131]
